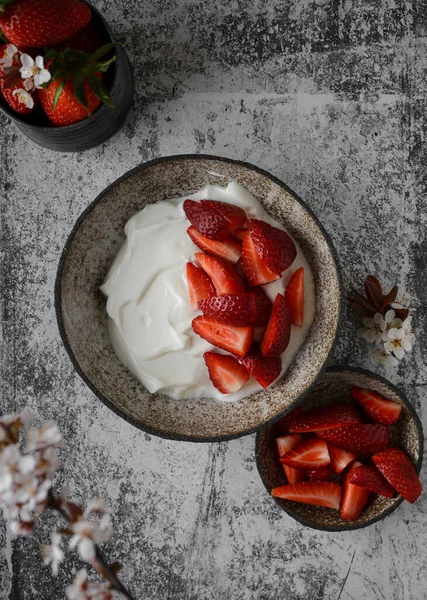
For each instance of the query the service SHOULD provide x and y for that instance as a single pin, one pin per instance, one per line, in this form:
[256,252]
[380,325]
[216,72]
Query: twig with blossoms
[386,324]
[28,462]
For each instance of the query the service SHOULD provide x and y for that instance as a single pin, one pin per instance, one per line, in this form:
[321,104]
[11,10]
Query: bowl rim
[15,117]
[58,296]
[352,526]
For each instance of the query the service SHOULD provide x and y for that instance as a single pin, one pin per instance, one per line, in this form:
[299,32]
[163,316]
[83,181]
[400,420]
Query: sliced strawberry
[199,285]
[285,443]
[354,498]
[230,249]
[262,368]
[239,233]
[236,340]
[295,296]
[285,422]
[274,246]
[255,271]
[369,478]
[224,276]
[235,309]
[263,306]
[321,474]
[225,372]
[328,416]
[206,220]
[397,468]
[319,493]
[340,458]
[363,438]
[234,215]
[377,408]
[278,333]
[311,453]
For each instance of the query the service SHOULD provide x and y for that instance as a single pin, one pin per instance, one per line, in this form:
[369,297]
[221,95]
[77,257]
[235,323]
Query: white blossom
[398,342]
[9,57]
[46,435]
[53,554]
[96,505]
[24,98]
[21,527]
[83,589]
[384,357]
[48,463]
[372,330]
[31,492]
[86,534]
[33,71]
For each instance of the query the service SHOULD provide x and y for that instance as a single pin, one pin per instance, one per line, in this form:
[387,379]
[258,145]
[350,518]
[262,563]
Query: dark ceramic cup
[104,122]
[334,385]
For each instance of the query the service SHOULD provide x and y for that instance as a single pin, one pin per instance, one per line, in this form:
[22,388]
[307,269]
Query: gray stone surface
[330,96]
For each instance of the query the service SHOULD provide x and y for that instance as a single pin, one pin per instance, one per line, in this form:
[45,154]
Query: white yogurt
[150,317]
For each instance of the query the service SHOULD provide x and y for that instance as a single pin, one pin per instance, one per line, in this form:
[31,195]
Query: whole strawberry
[13,88]
[36,23]
[76,89]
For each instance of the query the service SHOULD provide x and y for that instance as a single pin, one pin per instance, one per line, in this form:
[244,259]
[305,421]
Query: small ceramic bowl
[333,385]
[82,318]
[101,125]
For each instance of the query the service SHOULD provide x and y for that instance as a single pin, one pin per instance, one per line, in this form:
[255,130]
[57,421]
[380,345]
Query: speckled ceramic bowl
[333,385]
[82,317]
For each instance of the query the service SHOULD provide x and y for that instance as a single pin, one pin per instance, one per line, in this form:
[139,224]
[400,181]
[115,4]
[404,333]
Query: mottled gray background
[329,96]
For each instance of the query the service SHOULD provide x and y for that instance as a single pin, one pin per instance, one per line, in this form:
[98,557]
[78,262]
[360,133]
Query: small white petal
[39,62]
[86,549]
[400,334]
[389,347]
[399,353]
[361,331]
[391,361]
[27,61]
[26,73]
[392,334]
[371,336]
[406,345]
[378,318]
[389,316]
[396,305]
[396,323]
[378,337]
[368,322]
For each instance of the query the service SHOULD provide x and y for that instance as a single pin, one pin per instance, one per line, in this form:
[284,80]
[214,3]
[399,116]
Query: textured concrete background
[329,96]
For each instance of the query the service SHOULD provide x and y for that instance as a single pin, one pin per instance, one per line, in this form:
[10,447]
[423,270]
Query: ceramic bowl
[333,385]
[100,126]
[82,318]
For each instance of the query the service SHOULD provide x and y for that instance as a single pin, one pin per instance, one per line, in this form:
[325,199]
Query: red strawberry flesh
[362,438]
[376,407]
[263,306]
[255,271]
[229,249]
[318,493]
[328,416]
[236,340]
[398,469]
[274,246]
[262,368]
[340,459]
[310,453]
[199,285]
[295,297]
[321,474]
[234,215]
[224,276]
[285,422]
[285,443]
[235,309]
[370,478]
[354,498]
[278,332]
[225,372]
[206,220]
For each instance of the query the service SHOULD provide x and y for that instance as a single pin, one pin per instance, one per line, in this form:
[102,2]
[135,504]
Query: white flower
[34,70]
[83,589]
[31,493]
[399,341]
[373,328]
[48,462]
[88,533]
[24,98]
[384,357]
[14,464]
[9,57]
[21,527]
[96,505]
[46,435]
[53,554]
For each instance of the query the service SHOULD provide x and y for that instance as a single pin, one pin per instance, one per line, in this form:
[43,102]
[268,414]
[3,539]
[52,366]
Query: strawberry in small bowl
[63,82]
[348,455]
